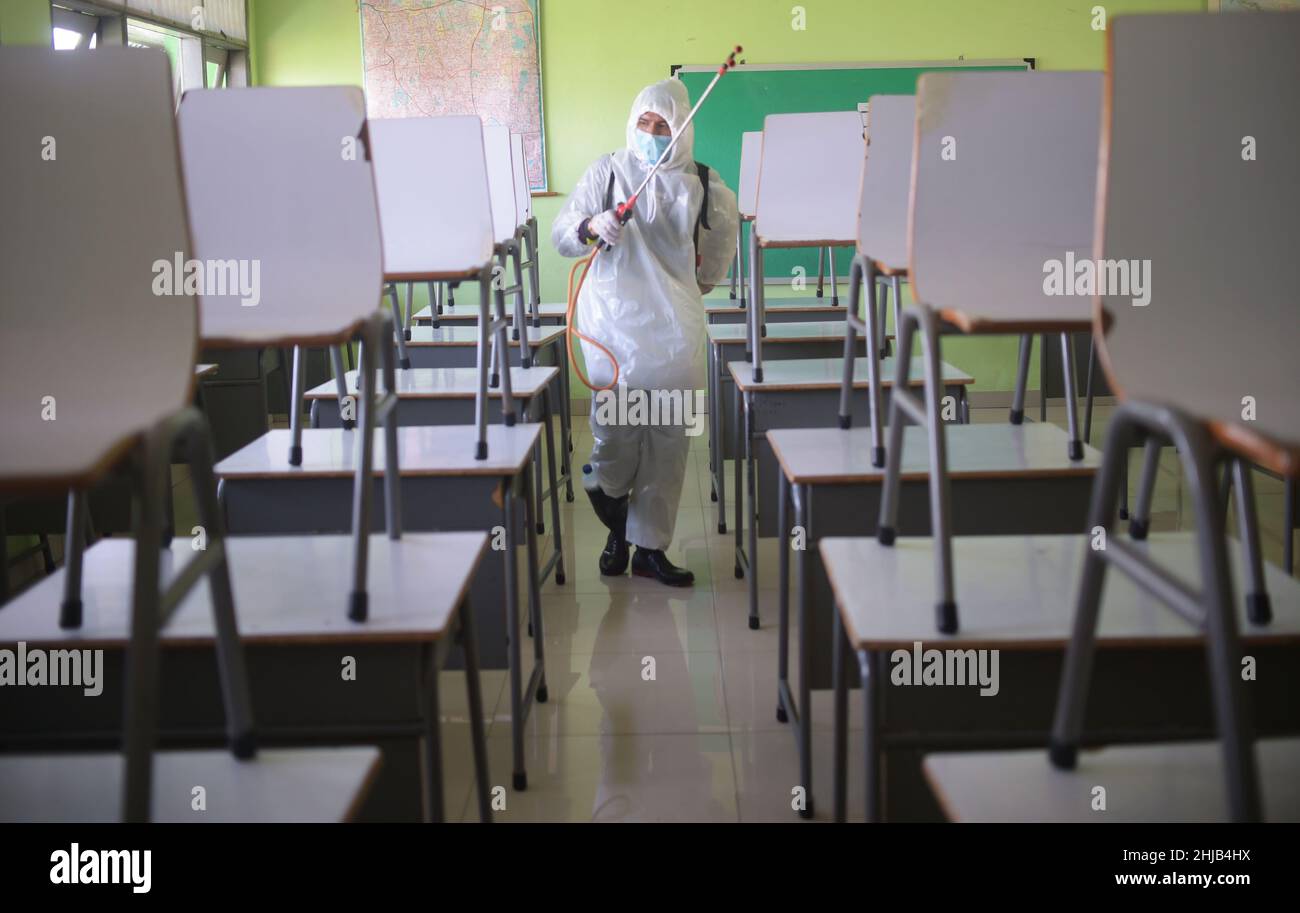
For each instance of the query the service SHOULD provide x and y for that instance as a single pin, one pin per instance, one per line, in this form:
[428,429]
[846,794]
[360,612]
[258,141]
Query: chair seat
[279,786]
[1177,782]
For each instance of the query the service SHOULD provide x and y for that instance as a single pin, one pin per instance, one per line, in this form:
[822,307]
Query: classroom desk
[284,787]
[455,347]
[778,310]
[1005,479]
[726,344]
[1148,680]
[295,638]
[1177,783]
[794,394]
[549,314]
[442,489]
[446,396]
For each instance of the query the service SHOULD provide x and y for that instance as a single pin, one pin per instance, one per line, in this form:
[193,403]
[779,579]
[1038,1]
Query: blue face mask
[651,146]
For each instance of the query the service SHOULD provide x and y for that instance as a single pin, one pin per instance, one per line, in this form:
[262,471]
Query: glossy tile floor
[662,701]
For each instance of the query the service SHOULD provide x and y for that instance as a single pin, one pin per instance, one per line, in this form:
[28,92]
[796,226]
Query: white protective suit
[642,301]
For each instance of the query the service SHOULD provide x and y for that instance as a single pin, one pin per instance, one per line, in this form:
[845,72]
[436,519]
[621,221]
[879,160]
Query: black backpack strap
[703,218]
[609,190]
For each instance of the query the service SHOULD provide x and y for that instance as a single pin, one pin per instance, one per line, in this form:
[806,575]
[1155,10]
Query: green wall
[596,56]
[25,22]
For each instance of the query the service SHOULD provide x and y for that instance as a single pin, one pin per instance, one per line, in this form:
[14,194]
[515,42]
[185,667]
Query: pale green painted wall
[25,22]
[597,55]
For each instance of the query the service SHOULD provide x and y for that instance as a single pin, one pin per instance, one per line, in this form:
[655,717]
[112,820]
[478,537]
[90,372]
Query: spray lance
[624,214]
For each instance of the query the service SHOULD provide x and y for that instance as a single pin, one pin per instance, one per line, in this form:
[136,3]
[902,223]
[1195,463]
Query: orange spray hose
[572,324]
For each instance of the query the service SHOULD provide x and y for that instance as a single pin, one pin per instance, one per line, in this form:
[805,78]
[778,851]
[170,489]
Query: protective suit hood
[670,100]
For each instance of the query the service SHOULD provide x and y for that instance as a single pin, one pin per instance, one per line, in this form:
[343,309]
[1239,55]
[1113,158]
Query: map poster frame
[539,177]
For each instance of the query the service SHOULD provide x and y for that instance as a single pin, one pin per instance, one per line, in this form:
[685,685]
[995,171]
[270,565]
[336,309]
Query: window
[208,59]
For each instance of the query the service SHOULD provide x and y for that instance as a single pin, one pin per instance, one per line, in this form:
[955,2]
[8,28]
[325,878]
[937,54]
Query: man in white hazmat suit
[642,300]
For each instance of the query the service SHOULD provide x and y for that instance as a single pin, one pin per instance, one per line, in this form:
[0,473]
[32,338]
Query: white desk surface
[887,181]
[828,374]
[287,590]
[1179,782]
[319,785]
[446,383]
[465,311]
[1019,191]
[835,456]
[1213,233]
[501,180]
[435,450]
[1018,592]
[523,195]
[778,333]
[468,336]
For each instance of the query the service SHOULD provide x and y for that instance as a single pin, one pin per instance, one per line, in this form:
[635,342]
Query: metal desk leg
[403,359]
[566,434]
[1042,382]
[555,492]
[751,510]
[1288,528]
[537,685]
[840,749]
[719,441]
[741,421]
[803,719]
[712,393]
[783,594]
[517,701]
[431,775]
[872,698]
[474,690]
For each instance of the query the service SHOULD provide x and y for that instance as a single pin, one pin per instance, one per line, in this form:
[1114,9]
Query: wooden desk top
[447,383]
[1017,592]
[288,590]
[827,374]
[435,450]
[1170,782]
[281,786]
[833,456]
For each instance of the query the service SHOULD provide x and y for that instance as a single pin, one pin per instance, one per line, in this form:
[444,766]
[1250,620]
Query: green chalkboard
[749,93]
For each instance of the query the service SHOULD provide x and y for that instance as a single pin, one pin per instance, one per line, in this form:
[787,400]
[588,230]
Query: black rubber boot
[648,563]
[613,513]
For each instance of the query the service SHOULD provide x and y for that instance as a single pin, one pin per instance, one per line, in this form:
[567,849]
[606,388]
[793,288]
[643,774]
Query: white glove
[606,226]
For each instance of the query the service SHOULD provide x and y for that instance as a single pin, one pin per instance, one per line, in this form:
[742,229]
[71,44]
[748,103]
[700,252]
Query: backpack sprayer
[624,213]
